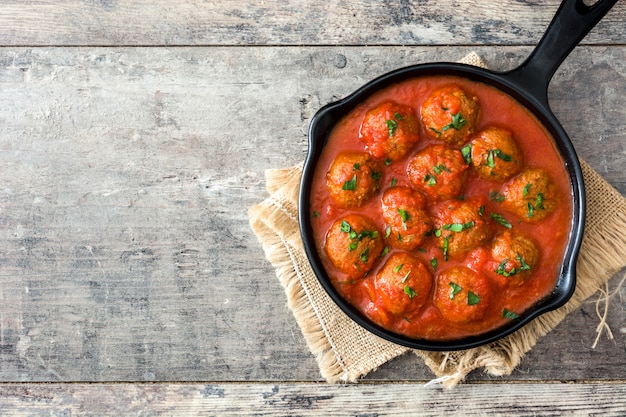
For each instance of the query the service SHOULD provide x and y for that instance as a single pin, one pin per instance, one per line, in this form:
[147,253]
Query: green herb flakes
[508,314]
[472,298]
[501,220]
[409,291]
[455,290]
[350,185]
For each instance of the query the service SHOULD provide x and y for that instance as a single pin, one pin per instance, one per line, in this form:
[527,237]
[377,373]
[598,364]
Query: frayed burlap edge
[602,255]
[332,337]
[324,326]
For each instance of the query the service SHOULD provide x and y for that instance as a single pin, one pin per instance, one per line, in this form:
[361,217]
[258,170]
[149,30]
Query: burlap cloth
[345,351]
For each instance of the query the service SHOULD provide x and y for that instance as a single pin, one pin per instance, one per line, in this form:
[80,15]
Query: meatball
[352,245]
[353,178]
[438,171]
[450,115]
[515,254]
[461,295]
[531,195]
[495,154]
[408,221]
[461,225]
[389,131]
[403,284]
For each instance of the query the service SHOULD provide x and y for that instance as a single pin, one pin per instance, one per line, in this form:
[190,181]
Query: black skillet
[528,84]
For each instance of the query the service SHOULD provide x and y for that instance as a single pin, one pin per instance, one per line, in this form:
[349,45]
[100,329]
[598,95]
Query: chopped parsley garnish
[501,155]
[496,196]
[501,219]
[364,256]
[438,169]
[502,267]
[397,116]
[387,232]
[508,314]
[404,215]
[404,278]
[393,182]
[497,153]
[481,210]
[526,189]
[367,233]
[387,161]
[350,185]
[430,179]
[357,237]
[539,202]
[384,252]
[455,290]
[434,263]
[472,299]
[356,166]
[409,291]
[445,248]
[316,214]
[466,151]
[458,227]
[398,268]
[377,175]
[392,125]
[457,122]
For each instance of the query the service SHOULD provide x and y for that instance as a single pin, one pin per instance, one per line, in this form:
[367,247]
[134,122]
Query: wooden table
[134,135]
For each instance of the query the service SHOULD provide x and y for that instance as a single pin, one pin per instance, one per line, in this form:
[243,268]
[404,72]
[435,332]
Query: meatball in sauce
[438,171]
[353,178]
[389,131]
[449,114]
[352,245]
[495,155]
[408,222]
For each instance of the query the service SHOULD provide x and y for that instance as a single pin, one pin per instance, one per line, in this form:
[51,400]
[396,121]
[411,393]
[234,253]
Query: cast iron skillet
[528,84]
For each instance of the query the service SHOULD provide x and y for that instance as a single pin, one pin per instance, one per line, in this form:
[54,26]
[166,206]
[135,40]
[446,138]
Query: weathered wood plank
[313,400]
[294,22]
[125,251]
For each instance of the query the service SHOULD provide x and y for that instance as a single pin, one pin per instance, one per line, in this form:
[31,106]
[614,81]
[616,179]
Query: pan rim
[319,130]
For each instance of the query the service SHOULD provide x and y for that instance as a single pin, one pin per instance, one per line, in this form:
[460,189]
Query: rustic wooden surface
[135,135]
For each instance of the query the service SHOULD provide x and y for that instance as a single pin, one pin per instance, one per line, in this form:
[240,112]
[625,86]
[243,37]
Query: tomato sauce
[506,294]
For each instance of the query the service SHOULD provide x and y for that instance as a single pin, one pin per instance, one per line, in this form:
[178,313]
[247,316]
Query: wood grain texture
[125,251]
[363,400]
[293,22]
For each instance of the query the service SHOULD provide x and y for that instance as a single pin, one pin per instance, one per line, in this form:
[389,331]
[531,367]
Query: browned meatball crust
[462,295]
[389,131]
[495,155]
[531,195]
[403,284]
[408,221]
[353,244]
[438,171]
[515,254]
[450,114]
[461,225]
[353,178]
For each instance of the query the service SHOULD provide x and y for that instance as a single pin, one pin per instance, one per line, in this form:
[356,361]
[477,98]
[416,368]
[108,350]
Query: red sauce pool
[551,234]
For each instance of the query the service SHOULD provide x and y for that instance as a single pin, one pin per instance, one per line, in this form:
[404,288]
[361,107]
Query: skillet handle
[571,23]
